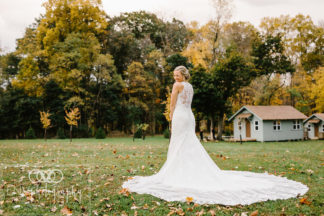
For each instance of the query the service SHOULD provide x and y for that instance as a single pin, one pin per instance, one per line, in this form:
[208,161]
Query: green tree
[138,92]
[230,74]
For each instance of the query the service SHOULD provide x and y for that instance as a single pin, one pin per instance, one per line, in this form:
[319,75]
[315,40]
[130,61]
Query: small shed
[315,126]
[268,123]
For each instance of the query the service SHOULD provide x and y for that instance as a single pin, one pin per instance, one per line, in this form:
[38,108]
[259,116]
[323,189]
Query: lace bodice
[185,96]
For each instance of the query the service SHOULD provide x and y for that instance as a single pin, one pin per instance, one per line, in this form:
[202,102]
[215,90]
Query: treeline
[117,70]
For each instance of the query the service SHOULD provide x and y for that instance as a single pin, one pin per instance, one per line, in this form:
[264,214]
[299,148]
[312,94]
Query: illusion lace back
[190,172]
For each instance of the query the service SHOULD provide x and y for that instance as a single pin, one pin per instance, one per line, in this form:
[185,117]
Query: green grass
[95,169]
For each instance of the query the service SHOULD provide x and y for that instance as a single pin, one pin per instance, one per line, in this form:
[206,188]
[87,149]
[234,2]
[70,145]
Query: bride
[189,172]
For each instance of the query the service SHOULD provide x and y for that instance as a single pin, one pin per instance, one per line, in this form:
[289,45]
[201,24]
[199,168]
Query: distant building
[315,126]
[268,123]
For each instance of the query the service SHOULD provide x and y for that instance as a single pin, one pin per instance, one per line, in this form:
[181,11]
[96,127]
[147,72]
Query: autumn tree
[302,39]
[72,119]
[317,90]
[61,45]
[138,92]
[46,121]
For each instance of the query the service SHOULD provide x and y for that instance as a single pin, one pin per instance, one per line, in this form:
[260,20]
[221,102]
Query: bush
[90,132]
[30,134]
[100,134]
[60,133]
[82,131]
[138,133]
[166,133]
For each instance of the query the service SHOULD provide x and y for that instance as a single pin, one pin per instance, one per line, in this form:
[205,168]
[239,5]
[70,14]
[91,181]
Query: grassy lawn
[94,170]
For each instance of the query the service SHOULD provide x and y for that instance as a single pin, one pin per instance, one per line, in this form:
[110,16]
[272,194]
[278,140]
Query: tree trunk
[153,121]
[45,134]
[70,133]
[220,126]
[153,124]
[211,127]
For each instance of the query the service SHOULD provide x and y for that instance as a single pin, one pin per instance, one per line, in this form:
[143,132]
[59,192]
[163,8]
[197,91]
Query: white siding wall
[237,131]
[286,131]
[256,134]
[311,132]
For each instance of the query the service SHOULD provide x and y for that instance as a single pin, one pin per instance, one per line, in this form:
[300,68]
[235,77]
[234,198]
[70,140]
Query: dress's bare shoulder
[178,86]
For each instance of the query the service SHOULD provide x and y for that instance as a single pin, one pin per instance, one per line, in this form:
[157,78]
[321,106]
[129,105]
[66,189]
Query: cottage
[315,126]
[268,123]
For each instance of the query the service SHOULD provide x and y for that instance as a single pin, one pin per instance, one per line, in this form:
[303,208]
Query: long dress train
[190,172]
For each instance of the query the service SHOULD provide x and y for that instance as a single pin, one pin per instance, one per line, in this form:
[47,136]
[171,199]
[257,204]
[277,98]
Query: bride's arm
[174,96]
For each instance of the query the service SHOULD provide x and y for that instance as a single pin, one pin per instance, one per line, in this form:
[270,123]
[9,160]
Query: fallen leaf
[134,206]
[171,213]
[304,201]
[153,208]
[53,209]
[255,213]
[200,213]
[310,171]
[124,191]
[75,154]
[179,211]
[189,199]
[66,211]
[212,212]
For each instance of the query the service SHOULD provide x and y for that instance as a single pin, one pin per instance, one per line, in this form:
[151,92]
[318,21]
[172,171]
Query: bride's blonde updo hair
[184,71]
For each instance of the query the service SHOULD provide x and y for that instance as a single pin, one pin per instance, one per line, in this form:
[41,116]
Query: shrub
[30,134]
[138,133]
[166,133]
[100,134]
[90,132]
[83,131]
[60,133]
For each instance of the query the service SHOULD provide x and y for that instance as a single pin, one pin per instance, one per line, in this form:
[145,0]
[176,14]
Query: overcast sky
[16,15]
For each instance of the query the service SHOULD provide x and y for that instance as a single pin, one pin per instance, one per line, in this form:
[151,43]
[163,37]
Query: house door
[247,128]
[316,130]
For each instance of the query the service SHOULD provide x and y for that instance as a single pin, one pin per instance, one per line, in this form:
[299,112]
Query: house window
[256,125]
[276,125]
[239,125]
[296,124]
[309,127]
[323,127]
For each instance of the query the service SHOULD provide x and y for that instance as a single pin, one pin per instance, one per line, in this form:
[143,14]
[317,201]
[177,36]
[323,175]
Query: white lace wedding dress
[190,172]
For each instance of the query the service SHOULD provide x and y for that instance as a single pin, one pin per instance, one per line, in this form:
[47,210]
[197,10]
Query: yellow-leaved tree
[72,119]
[46,121]
[167,111]
[317,91]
